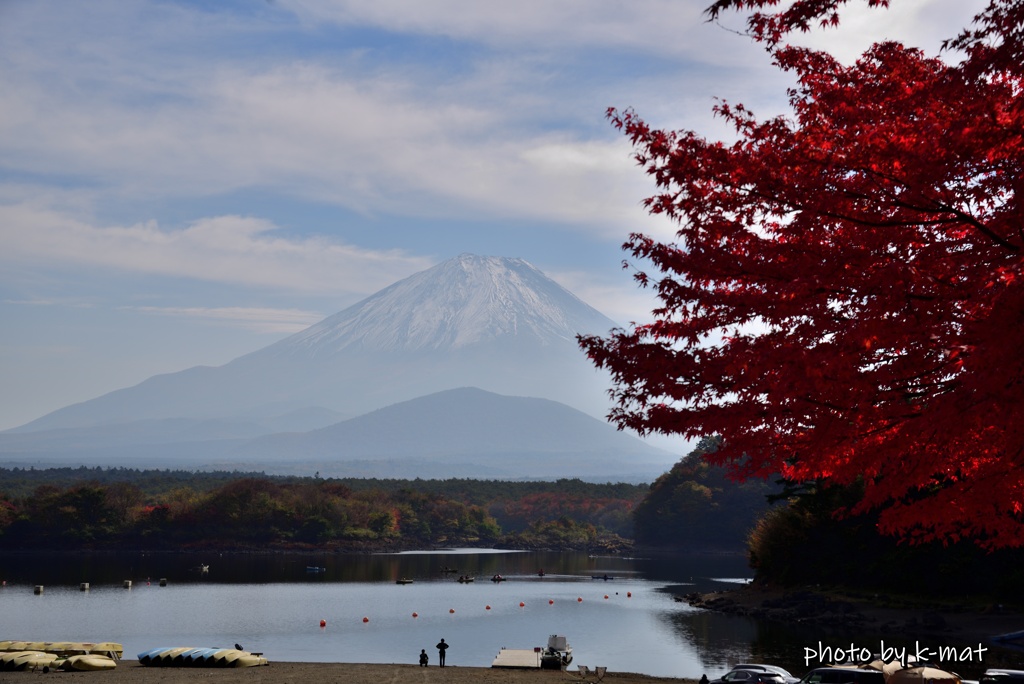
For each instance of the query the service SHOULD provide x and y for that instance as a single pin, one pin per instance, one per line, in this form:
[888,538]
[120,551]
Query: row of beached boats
[185,656]
[76,655]
[59,655]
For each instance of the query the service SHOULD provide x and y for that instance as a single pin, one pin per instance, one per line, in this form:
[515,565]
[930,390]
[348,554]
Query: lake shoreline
[131,672]
[953,619]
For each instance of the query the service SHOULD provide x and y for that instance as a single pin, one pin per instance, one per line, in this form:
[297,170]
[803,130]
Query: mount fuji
[491,323]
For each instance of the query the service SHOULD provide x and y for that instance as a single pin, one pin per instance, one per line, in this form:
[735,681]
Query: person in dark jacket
[441,648]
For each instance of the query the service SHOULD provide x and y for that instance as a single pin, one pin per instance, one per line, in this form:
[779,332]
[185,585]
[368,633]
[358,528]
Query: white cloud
[646,25]
[317,133]
[620,299]
[226,249]
[260,320]
[673,28]
[402,138]
[915,24]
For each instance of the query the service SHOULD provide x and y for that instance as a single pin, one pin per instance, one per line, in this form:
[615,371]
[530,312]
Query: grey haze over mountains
[495,324]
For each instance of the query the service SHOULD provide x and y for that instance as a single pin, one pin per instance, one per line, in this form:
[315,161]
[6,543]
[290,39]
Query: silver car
[782,672]
[738,676]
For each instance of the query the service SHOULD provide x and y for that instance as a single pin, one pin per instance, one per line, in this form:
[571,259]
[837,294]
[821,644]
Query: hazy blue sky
[184,182]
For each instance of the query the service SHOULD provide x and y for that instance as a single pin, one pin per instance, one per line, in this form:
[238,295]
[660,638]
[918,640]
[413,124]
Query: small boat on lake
[403,580]
[464,579]
[602,577]
[498,578]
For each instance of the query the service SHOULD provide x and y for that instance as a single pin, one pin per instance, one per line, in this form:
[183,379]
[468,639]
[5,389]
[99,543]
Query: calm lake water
[273,604]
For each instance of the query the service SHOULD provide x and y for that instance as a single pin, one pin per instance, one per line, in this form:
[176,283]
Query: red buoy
[415,614]
[323,623]
[366,619]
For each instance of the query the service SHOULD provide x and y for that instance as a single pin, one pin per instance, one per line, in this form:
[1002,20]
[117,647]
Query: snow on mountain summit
[464,302]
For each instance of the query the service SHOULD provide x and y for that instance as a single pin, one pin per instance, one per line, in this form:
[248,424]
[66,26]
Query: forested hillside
[696,505]
[105,508]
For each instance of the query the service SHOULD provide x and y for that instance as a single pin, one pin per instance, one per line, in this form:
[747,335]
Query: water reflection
[686,574]
[721,641]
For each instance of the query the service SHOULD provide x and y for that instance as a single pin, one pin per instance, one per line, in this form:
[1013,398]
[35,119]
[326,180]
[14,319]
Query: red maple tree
[845,297]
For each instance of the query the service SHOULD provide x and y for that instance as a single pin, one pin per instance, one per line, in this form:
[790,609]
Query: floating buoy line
[487,607]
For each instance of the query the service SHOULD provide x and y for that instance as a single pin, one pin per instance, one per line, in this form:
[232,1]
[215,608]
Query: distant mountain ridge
[472,429]
[491,323]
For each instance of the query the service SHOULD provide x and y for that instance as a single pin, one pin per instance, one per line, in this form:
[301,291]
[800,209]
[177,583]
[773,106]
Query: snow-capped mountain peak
[464,302]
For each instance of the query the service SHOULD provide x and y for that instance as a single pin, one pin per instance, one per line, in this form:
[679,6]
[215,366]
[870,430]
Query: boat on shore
[66,649]
[555,656]
[26,660]
[87,662]
[63,655]
[189,656]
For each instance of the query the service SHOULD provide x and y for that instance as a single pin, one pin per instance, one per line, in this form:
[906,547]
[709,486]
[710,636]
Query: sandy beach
[131,672]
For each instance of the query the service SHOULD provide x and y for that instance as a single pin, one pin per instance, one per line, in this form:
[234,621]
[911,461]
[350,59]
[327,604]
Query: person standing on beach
[441,648]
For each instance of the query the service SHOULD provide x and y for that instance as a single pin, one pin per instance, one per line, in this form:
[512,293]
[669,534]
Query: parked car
[843,675]
[786,676]
[738,676]
[1001,676]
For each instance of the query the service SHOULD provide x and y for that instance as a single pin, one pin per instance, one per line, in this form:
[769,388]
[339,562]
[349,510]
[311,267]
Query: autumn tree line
[692,507]
[117,507]
[106,508]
